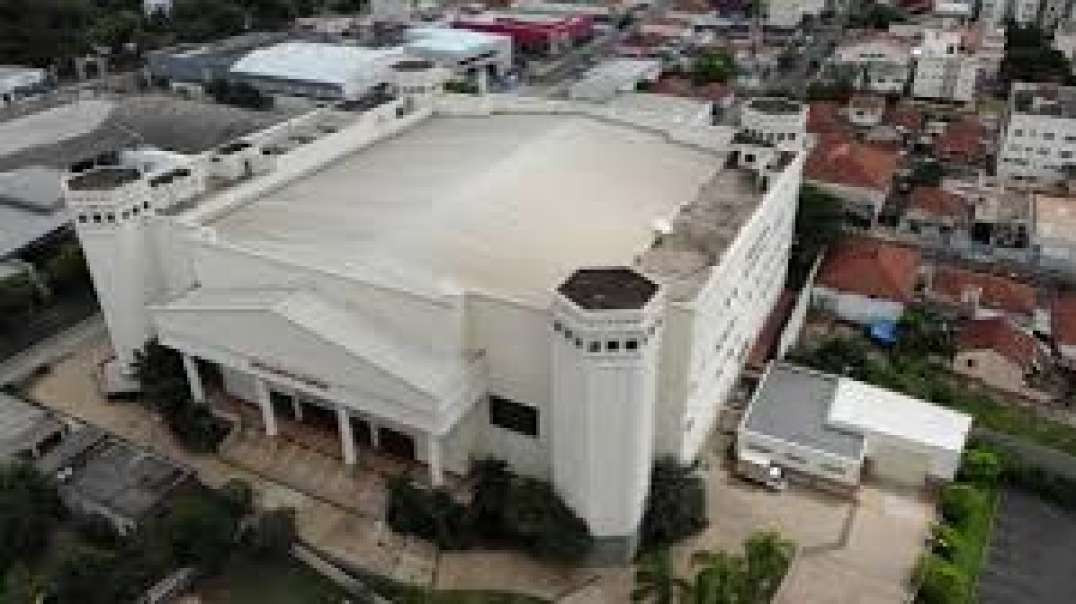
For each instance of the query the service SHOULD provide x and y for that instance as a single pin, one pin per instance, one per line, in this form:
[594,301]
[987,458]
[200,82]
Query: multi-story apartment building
[881,64]
[1039,136]
[942,70]
[562,285]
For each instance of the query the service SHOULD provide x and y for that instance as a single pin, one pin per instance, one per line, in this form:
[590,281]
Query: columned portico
[194,378]
[266,404]
[347,438]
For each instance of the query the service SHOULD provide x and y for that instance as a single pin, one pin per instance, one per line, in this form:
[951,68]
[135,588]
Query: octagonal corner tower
[605,342]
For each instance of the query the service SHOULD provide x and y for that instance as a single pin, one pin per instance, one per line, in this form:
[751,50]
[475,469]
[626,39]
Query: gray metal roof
[124,479]
[792,404]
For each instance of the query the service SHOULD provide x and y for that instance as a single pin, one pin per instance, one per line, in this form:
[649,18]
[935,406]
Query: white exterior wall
[707,339]
[797,457]
[603,414]
[854,307]
[515,339]
[946,78]
[1025,12]
[1034,148]
[942,463]
[786,130]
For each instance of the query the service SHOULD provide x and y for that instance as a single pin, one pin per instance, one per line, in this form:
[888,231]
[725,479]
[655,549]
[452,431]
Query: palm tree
[655,580]
[719,580]
[767,556]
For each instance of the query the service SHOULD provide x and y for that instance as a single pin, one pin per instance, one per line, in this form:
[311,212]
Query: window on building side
[594,347]
[612,346]
[510,415]
[631,345]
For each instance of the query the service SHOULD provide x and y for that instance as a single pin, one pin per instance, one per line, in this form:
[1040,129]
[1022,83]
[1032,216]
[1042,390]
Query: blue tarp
[884,332]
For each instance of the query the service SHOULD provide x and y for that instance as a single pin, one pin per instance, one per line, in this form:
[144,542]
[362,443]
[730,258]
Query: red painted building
[533,33]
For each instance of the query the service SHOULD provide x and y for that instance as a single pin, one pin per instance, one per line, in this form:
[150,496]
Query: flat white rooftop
[507,204]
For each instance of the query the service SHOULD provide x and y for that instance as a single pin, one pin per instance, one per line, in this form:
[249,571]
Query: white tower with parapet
[606,336]
[112,201]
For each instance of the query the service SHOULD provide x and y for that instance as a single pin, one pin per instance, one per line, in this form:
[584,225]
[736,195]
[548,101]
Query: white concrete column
[482,80]
[194,378]
[268,416]
[297,408]
[433,458]
[347,439]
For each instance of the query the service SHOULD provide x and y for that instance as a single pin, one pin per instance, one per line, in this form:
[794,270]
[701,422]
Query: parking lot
[1030,558]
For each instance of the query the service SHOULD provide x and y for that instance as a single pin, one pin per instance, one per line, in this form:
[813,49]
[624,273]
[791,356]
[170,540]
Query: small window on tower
[145,204]
[594,347]
[568,333]
[612,346]
[557,326]
[83,218]
[97,218]
[111,217]
[631,345]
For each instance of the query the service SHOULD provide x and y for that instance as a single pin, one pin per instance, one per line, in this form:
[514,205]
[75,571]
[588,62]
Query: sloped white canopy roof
[871,410]
[350,67]
[301,331]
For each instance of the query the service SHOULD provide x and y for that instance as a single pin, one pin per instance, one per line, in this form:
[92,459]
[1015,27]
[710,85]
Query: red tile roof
[871,268]
[1001,336]
[1000,293]
[906,117]
[964,138]
[1064,319]
[939,203]
[824,117]
[840,160]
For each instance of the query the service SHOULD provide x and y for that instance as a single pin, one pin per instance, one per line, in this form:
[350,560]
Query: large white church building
[570,287]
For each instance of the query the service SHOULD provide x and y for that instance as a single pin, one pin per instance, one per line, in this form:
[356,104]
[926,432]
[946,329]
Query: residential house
[1054,232]
[866,280]
[860,174]
[963,142]
[880,63]
[982,295]
[865,110]
[943,71]
[937,214]
[1000,354]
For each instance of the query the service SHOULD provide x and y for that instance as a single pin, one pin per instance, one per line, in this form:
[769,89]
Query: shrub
[543,523]
[238,495]
[523,512]
[29,509]
[675,505]
[944,540]
[960,503]
[273,533]
[981,466]
[941,582]
[201,531]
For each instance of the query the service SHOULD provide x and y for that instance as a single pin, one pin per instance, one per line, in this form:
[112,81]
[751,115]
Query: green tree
[960,503]
[200,530]
[767,557]
[66,269]
[675,505]
[1030,58]
[924,334]
[29,509]
[274,533]
[819,220]
[981,466]
[713,66]
[83,576]
[113,29]
[719,579]
[941,582]
[655,579]
[17,296]
[20,586]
